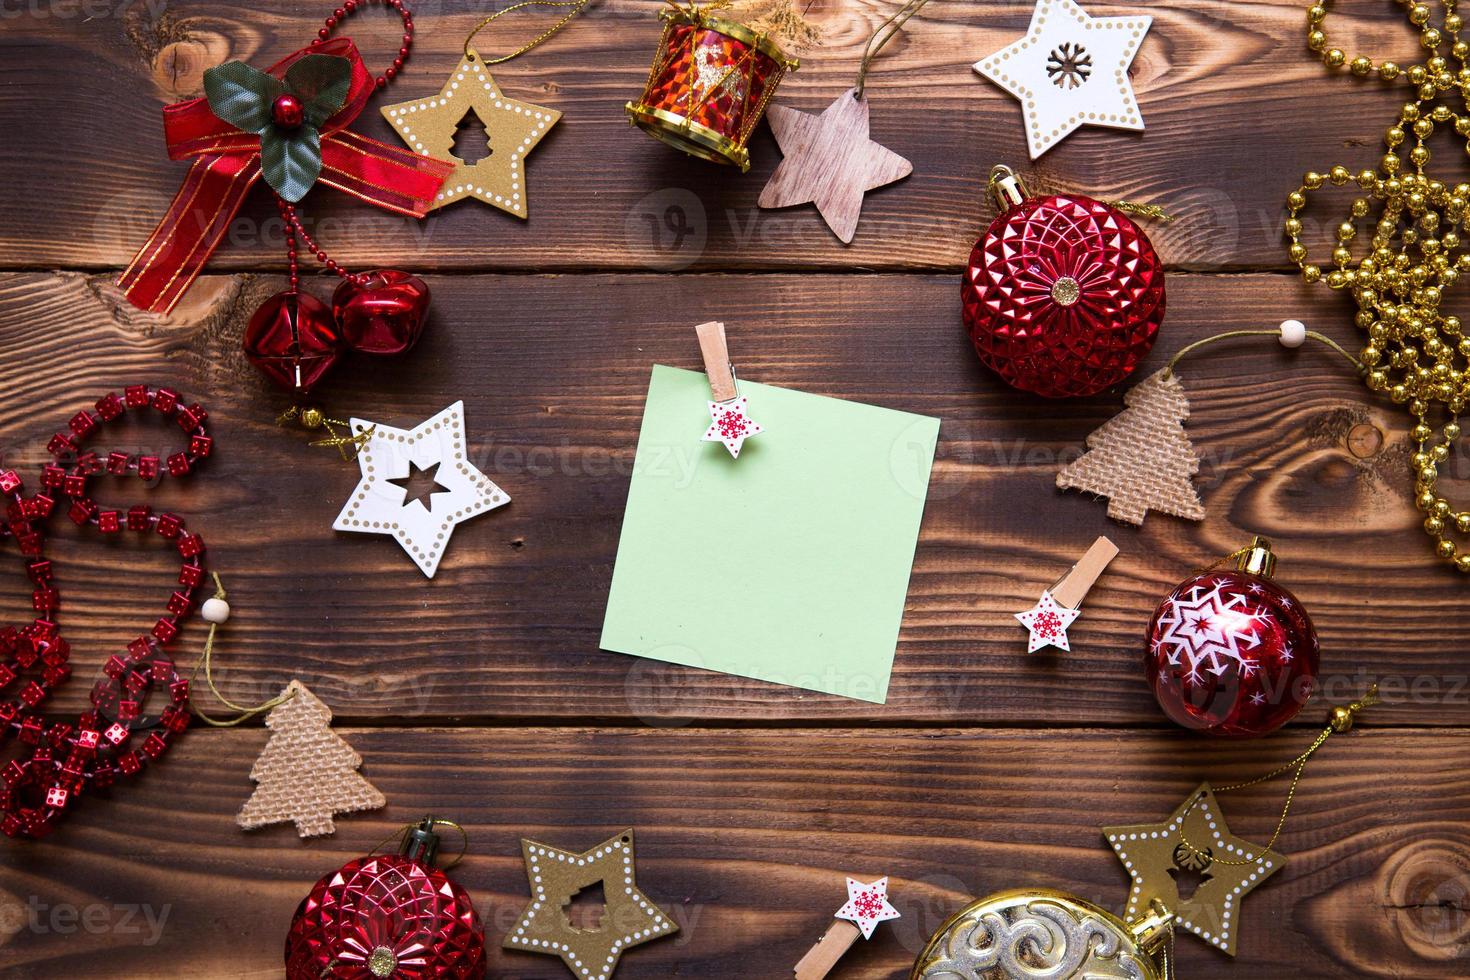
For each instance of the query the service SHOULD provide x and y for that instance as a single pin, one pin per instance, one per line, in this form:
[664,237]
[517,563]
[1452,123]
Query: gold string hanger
[1339,720]
[428,823]
[245,712]
[1007,189]
[881,37]
[1278,332]
[573,7]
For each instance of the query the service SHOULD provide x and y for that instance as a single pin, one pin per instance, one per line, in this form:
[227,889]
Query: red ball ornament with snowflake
[1064,295]
[1232,653]
[388,916]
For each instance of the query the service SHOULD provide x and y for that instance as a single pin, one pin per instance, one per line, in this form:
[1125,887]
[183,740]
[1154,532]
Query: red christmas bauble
[383,314]
[1063,296]
[387,915]
[293,340]
[1232,653]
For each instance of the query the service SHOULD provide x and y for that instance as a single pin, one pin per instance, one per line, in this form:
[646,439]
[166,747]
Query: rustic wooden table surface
[482,696]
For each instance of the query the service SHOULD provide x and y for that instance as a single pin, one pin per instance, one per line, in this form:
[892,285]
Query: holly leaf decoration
[241,95]
[292,162]
[290,156]
[321,82]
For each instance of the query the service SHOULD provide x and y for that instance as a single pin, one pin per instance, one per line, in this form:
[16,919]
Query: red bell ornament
[293,339]
[1232,653]
[1064,295]
[388,915]
[381,312]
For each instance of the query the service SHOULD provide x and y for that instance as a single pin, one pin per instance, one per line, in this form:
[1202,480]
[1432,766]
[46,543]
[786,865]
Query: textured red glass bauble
[293,339]
[1063,296]
[382,312]
[1232,653]
[386,915]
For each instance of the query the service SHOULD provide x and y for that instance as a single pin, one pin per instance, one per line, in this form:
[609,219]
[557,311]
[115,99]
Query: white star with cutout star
[731,424]
[379,506]
[1048,622]
[1070,70]
[867,905]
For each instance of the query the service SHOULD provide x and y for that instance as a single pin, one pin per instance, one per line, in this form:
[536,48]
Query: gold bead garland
[1415,352]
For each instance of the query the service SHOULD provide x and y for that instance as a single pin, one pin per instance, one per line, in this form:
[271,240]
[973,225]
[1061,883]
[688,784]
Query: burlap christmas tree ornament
[305,774]
[1141,459]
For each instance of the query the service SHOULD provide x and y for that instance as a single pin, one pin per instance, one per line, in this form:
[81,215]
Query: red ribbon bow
[227,164]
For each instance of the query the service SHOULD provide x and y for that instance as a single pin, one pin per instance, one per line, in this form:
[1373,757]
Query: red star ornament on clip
[830,162]
[1048,622]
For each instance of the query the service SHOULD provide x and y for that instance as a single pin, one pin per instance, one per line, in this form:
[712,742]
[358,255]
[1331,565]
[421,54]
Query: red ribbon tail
[197,219]
[394,179]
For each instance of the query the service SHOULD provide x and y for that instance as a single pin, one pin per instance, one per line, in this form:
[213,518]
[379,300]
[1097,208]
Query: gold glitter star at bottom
[1194,843]
[556,876]
[512,128]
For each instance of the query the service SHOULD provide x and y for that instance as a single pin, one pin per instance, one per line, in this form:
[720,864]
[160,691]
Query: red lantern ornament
[1064,295]
[1232,653]
[388,915]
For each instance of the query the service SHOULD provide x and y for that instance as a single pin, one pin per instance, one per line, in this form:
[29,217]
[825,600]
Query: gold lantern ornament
[709,85]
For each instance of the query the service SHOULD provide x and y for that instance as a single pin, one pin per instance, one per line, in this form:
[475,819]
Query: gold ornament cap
[1258,559]
[1006,187]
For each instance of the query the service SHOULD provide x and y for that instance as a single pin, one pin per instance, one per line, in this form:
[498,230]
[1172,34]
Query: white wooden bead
[215,610]
[1293,333]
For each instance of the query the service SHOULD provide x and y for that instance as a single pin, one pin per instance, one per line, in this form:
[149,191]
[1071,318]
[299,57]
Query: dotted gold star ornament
[1070,70]
[628,919]
[389,457]
[830,162]
[1194,866]
[512,128]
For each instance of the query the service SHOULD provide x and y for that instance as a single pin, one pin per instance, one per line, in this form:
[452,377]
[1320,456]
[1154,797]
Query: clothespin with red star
[730,421]
[1059,605]
[867,905]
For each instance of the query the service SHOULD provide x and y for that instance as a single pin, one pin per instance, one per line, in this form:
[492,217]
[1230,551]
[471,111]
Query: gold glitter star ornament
[1070,70]
[512,129]
[556,876]
[1193,865]
[389,457]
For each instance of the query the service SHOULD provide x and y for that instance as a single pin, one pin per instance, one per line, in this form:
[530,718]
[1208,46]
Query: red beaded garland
[65,760]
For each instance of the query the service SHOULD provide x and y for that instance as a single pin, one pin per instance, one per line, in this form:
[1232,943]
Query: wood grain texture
[553,371]
[1236,111]
[744,838]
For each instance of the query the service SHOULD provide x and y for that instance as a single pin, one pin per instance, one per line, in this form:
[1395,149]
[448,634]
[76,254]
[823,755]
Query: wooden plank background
[481,694]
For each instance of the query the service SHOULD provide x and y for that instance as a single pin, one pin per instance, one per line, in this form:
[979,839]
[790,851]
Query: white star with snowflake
[731,424]
[389,457]
[1209,629]
[1070,70]
[867,905]
[1048,622]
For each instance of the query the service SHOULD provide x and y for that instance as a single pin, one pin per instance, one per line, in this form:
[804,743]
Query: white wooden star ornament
[829,161]
[729,411]
[512,129]
[867,905]
[1048,623]
[1070,70]
[388,457]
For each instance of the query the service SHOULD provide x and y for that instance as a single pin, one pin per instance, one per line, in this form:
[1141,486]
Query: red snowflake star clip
[731,424]
[867,905]
[1048,622]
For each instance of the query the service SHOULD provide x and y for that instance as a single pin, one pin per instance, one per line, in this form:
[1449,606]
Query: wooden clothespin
[867,905]
[730,422]
[1048,620]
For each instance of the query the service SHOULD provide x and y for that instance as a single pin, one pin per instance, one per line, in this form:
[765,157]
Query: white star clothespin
[1070,70]
[730,421]
[867,905]
[1048,620]
[389,458]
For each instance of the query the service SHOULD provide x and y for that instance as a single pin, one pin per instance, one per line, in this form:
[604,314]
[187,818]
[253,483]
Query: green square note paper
[790,564]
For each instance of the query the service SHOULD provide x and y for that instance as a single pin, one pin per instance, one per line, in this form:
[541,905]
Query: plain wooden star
[1193,840]
[829,161]
[512,128]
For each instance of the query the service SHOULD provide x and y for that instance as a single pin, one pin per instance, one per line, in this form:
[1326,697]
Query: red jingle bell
[293,340]
[381,312]
[387,915]
[1064,295]
[1231,652]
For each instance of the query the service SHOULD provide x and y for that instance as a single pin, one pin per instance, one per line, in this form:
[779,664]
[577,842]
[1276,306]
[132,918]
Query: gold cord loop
[881,37]
[576,8]
[1230,334]
[246,712]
